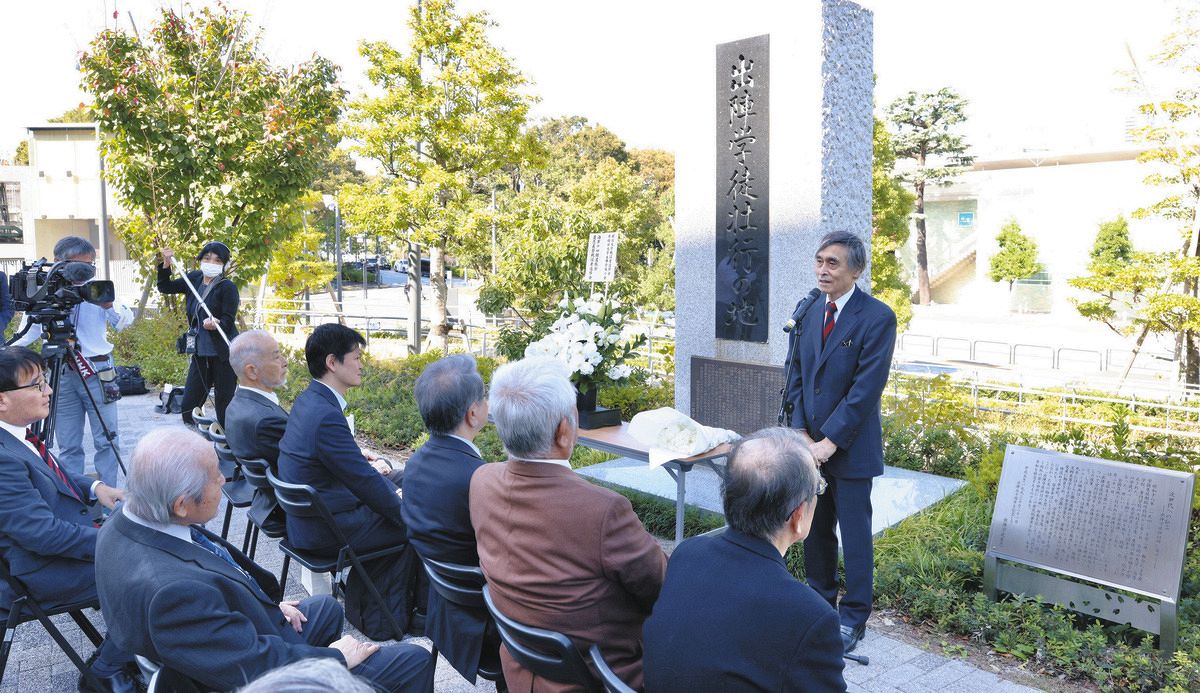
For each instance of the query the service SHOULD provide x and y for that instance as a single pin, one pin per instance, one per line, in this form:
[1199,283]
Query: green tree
[448,117]
[21,156]
[1017,257]
[203,137]
[1171,132]
[926,133]
[1125,282]
[79,114]
[891,205]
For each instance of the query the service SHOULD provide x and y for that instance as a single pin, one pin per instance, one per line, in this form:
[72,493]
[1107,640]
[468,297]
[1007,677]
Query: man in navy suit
[47,535]
[841,354]
[318,449]
[254,421]
[181,596]
[762,629]
[437,479]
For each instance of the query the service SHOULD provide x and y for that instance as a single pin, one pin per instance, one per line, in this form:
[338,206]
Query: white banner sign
[601,258]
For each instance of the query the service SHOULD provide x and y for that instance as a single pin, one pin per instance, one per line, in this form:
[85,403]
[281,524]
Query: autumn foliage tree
[203,137]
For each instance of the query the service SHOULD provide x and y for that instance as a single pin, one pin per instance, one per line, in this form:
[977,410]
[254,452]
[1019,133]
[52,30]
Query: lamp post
[331,201]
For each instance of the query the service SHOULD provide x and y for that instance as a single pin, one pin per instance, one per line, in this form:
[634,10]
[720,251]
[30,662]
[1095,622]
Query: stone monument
[774,152]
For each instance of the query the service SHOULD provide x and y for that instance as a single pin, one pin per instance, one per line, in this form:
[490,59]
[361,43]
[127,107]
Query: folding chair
[301,500]
[612,682]
[463,585]
[25,608]
[546,653]
[237,491]
[255,473]
[202,422]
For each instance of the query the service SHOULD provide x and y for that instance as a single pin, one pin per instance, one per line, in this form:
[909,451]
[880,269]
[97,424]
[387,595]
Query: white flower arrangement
[592,338]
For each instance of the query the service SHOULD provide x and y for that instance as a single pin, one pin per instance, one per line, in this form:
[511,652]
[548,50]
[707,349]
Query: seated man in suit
[181,596]
[46,531]
[763,629]
[559,552]
[254,421]
[318,449]
[437,478]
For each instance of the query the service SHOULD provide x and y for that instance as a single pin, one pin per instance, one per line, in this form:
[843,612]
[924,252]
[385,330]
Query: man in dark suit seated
[47,534]
[731,616]
[318,449]
[558,551]
[254,421]
[437,478]
[181,596]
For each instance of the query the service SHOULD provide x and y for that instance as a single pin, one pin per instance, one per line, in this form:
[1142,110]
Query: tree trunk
[922,253]
[337,307]
[439,331]
[141,311]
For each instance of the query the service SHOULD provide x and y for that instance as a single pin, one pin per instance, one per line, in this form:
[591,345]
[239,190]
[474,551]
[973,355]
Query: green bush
[150,344]
[638,395]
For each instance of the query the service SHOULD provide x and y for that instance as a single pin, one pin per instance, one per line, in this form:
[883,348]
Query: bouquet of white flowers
[592,339]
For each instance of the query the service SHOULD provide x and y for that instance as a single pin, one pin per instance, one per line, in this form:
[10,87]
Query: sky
[1038,74]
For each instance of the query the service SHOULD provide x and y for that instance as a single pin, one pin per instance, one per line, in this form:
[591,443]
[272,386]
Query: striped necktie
[830,309]
[49,460]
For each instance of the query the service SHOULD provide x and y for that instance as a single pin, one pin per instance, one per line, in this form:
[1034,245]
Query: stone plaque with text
[1112,523]
[742,211]
[742,397]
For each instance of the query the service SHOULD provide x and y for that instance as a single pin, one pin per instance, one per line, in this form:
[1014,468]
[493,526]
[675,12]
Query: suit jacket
[223,300]
[179,604]
[564,554]
[731,617]
[437,480]
[318,449]
[835,390]
[253,427]
[46,533]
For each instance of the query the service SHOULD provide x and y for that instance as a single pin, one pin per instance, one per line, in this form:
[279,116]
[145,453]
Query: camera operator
[72,404]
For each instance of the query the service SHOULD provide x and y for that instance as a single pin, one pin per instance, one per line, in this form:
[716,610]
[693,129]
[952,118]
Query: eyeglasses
[40,384]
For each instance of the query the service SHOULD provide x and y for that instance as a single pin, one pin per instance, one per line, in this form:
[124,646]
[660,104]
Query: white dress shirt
[269,395]
[181,532]
[469,443]
[91,327]
[561,463]
[840,303]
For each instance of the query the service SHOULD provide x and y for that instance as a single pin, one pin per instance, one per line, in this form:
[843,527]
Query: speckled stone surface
[820,163]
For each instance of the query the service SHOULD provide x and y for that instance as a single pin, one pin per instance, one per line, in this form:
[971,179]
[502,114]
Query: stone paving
[37,665]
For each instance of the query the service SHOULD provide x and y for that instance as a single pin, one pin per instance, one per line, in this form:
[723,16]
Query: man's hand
[106,306]
[293,615]
[805,437]
[353,650]
[210,324]
[166,254]
[109,496]
[381,466]
[822,450]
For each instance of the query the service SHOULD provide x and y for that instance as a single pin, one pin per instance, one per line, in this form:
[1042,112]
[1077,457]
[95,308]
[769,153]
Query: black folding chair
[25,608]
[612,682]
[301,500]
[463,585]
[255,473]
[202,422]
[547,653]
[237,491]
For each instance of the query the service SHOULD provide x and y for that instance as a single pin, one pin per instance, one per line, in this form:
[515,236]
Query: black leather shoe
[851,636]
[126,681]
[416,625]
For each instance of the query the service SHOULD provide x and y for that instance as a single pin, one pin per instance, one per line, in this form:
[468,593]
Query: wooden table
[616,440]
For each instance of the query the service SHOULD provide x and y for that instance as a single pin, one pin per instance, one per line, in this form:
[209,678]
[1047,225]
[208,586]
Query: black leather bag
[130,380]
[186,344]
[396,578]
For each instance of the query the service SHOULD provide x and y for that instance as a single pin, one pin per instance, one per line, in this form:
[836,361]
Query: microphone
[801,309]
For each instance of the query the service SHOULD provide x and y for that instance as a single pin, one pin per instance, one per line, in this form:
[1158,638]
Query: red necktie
[41,448]
[830,309]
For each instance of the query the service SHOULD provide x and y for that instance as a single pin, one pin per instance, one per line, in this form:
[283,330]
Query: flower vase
[592,416]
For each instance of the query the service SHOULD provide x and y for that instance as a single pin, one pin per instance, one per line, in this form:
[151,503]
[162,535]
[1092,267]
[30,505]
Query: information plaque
[742,397]
[1117,525]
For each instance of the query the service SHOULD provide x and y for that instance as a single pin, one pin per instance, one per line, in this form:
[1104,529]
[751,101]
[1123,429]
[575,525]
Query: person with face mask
[210,367]
[72,406]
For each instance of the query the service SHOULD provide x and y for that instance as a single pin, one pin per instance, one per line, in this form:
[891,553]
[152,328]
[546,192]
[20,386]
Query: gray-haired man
[181,596]
[73,406]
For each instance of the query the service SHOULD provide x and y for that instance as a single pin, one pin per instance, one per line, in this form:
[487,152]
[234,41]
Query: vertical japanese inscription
[742,211]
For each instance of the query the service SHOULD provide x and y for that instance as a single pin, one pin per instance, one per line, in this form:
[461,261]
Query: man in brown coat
[558,551]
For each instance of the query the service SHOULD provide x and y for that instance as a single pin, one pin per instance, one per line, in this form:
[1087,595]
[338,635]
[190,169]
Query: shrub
[150,344]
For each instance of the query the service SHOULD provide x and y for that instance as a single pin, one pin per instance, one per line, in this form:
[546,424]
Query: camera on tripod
[47,293]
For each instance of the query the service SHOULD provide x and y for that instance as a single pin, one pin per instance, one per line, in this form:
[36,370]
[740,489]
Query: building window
[10,212]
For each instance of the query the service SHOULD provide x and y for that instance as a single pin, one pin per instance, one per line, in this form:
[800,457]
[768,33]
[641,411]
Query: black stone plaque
[1117,524]
[742,397]
[742,216]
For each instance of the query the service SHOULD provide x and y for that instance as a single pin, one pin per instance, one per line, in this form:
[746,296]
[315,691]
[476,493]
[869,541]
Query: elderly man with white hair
[558,551]
[179,595]
[254,421]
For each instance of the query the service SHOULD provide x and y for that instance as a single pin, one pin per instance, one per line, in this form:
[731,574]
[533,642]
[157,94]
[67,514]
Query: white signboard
[601,258]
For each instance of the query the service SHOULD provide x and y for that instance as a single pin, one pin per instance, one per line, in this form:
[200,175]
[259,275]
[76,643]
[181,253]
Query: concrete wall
[820,163]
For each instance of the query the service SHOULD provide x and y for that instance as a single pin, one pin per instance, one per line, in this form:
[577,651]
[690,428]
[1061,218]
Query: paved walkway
[37,665]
